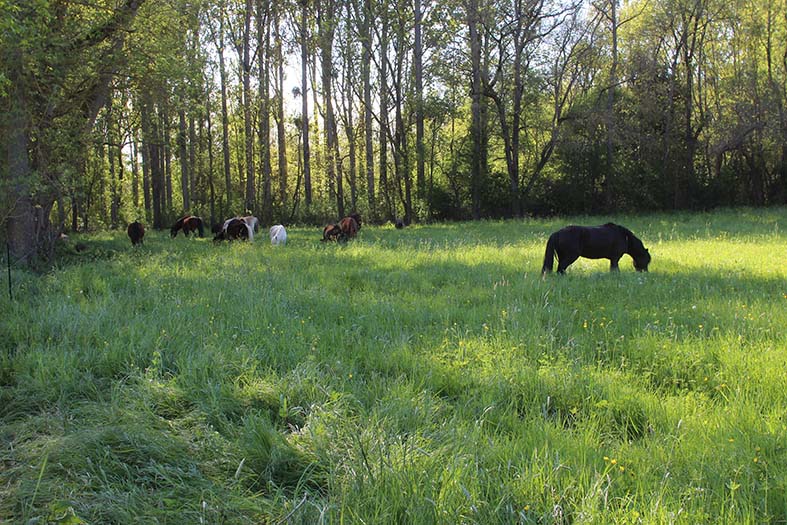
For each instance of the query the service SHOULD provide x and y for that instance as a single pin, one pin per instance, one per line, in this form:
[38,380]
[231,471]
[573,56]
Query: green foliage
[424,375]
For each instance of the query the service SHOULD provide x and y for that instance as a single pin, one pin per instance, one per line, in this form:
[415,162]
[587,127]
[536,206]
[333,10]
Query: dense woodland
[303,111]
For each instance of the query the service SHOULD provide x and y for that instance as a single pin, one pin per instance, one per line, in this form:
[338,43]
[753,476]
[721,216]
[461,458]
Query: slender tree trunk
[114,205]
[307,178]
[514,176]
[383,139]
[610,110]
[151,141]
[146,159]
[325,22]
[401,150]
[473,20]
[225,120]
[167,159]
[251,195]
[134,168]
[419,102]
[211,184]
[121,173]
[367,104]
[347,106]
[281,137]
[184,161]
[193,168]
[263,52]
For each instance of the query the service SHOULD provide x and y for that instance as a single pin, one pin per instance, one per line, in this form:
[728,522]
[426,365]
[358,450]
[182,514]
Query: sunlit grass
[428,375]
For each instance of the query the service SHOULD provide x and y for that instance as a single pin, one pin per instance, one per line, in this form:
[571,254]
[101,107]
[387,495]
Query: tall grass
[428,375]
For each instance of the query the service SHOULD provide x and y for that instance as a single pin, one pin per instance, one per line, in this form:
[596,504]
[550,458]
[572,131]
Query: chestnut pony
[189,224]
[350,225]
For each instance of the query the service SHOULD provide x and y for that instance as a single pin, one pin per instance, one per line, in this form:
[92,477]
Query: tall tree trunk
[211,184]
[166,134]
[251,195]
[476,130]
[114,204]
[326,23]
[263,53]
[609,119]
[367,104]
[225,120]
[151,141]
[383,138]
[401,150]
[146,158]
[193,169]
[20,225]
[134,168]
[184,161]
[347,106]
[419,102]
[304,29]
[281,137]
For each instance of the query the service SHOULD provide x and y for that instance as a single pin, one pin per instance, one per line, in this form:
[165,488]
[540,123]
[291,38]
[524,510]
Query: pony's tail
[549,256]
[201,228]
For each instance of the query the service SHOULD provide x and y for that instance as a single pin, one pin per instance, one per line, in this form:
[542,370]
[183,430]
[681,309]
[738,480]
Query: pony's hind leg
[564,260]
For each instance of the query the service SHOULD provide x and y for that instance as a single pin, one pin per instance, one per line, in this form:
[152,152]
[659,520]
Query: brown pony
[188,224]
[136,232]
[332,232]
[233,229]
[350,225]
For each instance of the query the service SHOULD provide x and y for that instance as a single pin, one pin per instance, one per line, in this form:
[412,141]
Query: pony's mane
[635,244]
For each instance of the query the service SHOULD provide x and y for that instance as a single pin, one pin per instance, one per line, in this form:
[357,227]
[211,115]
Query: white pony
[252,224]
[278,235]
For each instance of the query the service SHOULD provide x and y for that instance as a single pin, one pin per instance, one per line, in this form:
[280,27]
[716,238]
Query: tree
[67,67]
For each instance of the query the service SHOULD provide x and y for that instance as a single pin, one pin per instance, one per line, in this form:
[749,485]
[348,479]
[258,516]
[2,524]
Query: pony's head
[641,260]
[357,217]
[331,232]
[177,226]
[638,252]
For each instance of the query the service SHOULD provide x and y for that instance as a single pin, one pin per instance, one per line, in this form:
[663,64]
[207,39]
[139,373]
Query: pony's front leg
[613,265]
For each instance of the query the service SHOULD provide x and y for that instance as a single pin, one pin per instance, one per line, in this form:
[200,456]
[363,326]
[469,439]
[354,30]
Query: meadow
[425,375]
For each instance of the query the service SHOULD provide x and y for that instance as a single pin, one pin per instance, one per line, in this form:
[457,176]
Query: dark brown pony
[331,232]
[350,225]
[609,241]
[189,224]
[233,229]
[136,232]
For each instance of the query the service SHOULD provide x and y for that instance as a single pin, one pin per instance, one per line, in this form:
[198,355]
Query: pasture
[424,375]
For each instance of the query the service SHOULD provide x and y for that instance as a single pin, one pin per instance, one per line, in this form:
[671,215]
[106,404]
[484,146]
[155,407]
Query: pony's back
[278,235]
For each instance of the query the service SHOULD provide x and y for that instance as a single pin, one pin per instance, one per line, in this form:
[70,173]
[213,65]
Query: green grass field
[427,375]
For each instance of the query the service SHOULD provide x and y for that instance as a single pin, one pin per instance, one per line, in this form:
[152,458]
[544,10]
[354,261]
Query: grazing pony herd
[608,241]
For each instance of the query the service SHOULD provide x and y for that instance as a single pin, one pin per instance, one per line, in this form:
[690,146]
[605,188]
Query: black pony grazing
[609,241]
[234,229]
[136,232]
[188,224]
